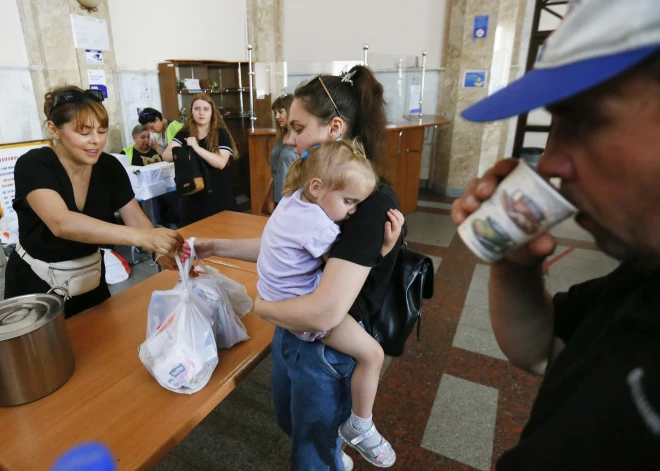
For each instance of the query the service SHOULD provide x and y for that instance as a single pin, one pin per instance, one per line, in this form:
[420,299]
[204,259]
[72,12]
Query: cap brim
[543,87]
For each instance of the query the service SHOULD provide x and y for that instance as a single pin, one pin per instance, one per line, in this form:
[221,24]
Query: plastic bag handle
[184,267]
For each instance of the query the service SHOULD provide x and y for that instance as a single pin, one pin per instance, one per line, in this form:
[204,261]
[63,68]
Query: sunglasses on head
[76,96]
[147,114]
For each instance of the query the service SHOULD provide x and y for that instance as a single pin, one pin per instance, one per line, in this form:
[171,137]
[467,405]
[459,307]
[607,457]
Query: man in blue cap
[598,345]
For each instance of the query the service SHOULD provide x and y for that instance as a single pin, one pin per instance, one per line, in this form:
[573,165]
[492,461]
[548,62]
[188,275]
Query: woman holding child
[311,382]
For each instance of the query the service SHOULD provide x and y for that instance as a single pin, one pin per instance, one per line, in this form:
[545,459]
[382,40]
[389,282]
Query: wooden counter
[111,397]
[405,141]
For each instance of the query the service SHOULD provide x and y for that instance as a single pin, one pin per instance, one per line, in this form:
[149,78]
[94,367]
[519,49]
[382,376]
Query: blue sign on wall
[475,78]
[480,30]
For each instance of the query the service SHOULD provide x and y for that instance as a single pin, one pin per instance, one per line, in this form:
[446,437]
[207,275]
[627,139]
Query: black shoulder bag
[412,281]
[190,173]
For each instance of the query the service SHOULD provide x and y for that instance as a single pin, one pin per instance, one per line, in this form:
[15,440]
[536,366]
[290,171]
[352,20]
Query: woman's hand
[393,229]
[204,248]
[159,240]
[479,190]
[192,142]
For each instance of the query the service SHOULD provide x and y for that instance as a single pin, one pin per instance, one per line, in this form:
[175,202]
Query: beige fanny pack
[77,276]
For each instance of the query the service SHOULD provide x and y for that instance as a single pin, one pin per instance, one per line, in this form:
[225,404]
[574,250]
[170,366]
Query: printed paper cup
[523,206]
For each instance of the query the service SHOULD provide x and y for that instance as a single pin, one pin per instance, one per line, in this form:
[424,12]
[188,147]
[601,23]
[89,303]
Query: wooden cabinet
[262,143]
[405,150]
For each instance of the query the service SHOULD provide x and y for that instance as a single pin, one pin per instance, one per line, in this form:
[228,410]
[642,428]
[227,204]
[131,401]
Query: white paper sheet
[90,33]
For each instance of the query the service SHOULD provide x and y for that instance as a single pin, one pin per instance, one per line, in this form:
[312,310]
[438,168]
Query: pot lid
[25,314]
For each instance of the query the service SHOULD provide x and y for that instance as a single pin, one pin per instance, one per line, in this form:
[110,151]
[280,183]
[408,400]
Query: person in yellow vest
[163,128]
[140,153]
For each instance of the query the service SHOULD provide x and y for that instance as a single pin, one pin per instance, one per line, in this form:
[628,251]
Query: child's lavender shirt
[296,236]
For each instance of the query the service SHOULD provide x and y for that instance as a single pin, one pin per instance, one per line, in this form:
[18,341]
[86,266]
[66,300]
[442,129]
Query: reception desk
[404,140]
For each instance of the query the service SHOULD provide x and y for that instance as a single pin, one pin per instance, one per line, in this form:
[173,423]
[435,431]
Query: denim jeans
[312,394]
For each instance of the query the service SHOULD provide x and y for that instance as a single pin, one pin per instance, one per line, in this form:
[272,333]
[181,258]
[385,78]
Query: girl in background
[205,132]
[282,155]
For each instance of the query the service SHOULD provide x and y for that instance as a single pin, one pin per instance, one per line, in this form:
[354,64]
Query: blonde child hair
[330,163]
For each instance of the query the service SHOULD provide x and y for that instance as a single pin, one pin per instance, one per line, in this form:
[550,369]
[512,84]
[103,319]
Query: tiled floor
[451,402]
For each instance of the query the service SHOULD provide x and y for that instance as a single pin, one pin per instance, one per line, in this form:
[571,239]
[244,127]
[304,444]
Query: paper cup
[523,206]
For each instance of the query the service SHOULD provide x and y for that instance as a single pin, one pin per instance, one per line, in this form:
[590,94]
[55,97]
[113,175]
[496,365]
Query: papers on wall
[138,89]
[97,80]
[20,119]
[9,154]
[94,57]
[90,33]
[475,78]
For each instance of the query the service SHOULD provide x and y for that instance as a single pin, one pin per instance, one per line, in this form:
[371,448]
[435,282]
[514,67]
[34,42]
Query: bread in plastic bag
[180,351]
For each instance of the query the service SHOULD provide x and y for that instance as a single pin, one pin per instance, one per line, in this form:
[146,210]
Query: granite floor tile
[436,262]
[432,229]
[517,390]
[174,463]
[462,422]
[433,204]
[477,340]
[482,271]
[480,284]
[569,229]
[386,363]
[477,298]
[475,317]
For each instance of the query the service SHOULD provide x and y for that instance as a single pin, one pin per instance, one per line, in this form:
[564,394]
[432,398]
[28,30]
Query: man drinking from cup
[598,345]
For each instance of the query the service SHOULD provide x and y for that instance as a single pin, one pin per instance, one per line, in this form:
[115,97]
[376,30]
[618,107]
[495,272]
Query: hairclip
[347,76]
[330,96]
[305,154]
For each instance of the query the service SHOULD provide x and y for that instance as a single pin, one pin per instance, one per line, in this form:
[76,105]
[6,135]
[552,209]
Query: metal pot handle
[61,288]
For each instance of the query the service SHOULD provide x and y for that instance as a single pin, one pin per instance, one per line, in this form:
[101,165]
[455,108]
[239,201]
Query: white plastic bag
[116,267]
[180,350]
[227,298]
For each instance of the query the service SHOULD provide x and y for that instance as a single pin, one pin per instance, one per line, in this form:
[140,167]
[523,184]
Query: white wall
[13,52]
[319,30]
[148,32]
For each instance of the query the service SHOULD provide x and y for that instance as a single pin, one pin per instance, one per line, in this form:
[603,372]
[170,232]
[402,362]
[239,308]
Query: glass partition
[401,77]
[273,79]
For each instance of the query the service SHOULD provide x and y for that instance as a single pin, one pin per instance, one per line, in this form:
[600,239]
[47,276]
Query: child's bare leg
[358,431]
[349,338]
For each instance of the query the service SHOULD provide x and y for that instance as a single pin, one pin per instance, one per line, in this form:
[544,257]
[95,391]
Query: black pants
[169,209]
[202,205]
[21,280]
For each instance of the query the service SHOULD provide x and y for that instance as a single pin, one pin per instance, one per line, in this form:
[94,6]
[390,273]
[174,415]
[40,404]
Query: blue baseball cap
[596,41]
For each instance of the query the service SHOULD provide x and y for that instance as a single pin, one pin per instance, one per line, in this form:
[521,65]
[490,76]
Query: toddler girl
[323,188]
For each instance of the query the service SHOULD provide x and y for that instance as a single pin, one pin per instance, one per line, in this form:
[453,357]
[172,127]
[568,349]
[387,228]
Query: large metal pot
[35,351]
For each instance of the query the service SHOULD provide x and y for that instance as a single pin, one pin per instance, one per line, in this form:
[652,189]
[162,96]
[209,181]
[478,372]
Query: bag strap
[184,267]
[205,171]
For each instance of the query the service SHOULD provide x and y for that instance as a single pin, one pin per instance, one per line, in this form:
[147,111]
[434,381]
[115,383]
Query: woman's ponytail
[371,118]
